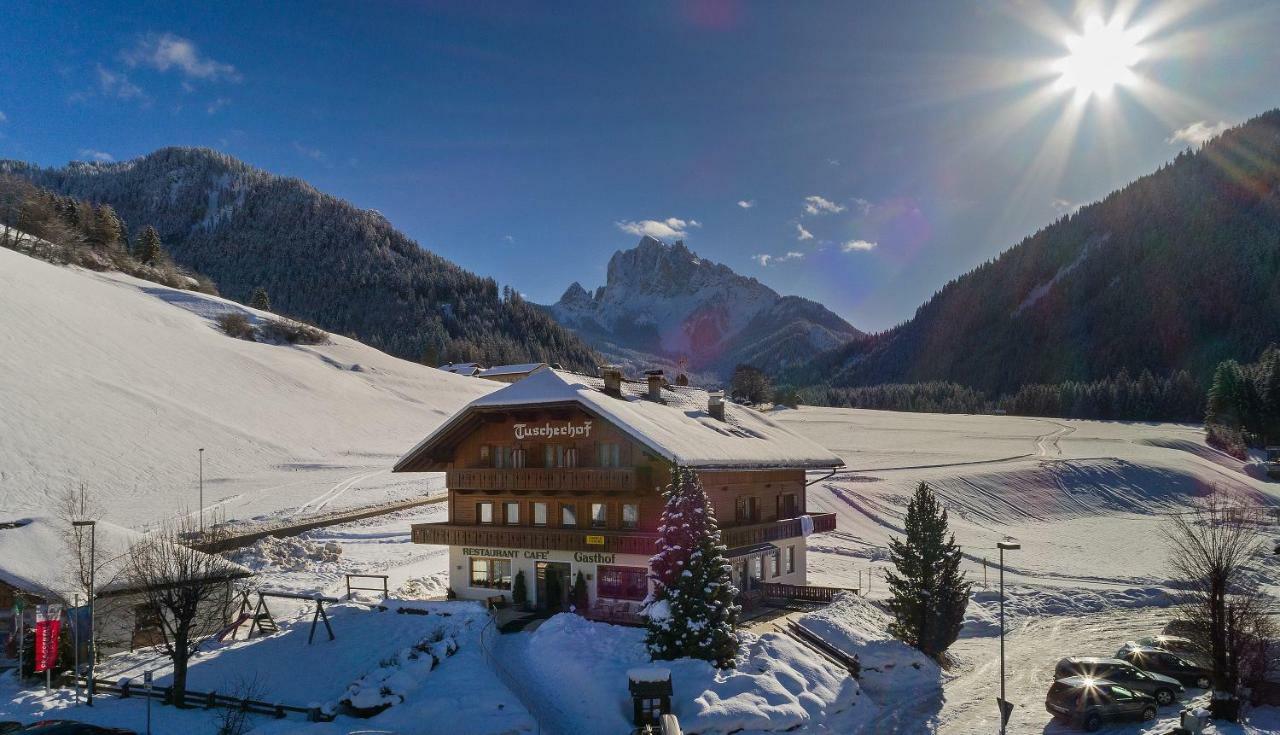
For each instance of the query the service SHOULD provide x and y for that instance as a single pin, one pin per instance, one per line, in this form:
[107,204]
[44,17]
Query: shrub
[295,333]
[1232,441]
[235,324]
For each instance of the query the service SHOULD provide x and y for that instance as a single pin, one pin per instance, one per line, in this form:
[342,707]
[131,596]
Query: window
[568,515]
[501,457]
[599,515]
[777,562]
[571,457]
[517,458]
[622,583]
[757,568]
[484,512]
[746,509]
[610,455]
[630,515]
[553,455]
[791,559]
[484,455]
[788,506]
[491,573]
[513,514]
[539,514]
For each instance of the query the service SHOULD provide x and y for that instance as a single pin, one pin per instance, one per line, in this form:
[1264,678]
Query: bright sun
[1100,58]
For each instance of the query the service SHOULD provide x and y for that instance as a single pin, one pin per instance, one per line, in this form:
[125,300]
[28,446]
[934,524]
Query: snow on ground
[116,382]
[578,668]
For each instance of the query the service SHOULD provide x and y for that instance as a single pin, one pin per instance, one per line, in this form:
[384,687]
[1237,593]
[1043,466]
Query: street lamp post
[93,628]
[1005,707]
[201,490]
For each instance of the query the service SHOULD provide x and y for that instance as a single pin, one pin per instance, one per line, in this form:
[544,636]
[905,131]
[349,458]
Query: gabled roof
[678,429]
[461,368]
[518,369]
[36,557]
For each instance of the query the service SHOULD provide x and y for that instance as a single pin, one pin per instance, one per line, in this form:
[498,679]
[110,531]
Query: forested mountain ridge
[1176,271]
[320,258]
[662,303]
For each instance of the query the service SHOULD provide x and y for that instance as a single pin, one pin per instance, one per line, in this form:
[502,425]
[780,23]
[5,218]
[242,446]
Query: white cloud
[815,204]
[746,203]
[1064,206]
[165,51]
[671,228]
[314,154]
[216,105]
[88,154]
[863,205]
[857,246]
[3,117]
[766,260]
[508,238]
[1198,133]
[802,234]
[117,84]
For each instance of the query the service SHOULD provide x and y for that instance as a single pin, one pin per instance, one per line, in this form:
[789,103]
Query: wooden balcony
[544,480]
[614,541]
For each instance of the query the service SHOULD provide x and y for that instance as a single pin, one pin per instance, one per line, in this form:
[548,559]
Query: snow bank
[983,616]
[890,668]
[289,554]
[778,685]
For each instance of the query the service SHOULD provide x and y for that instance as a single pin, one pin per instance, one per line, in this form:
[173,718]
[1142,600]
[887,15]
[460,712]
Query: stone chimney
[612,375]
[656,381]
[715,404]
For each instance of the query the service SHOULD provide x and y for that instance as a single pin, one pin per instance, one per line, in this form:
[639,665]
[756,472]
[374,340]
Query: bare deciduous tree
[1211,550]
[189,590]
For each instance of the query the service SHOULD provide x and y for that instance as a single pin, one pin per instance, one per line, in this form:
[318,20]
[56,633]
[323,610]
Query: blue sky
[860,154]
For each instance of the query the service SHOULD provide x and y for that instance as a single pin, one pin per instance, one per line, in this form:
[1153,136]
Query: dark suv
[1164,688]
[1088,703]
[1176,665]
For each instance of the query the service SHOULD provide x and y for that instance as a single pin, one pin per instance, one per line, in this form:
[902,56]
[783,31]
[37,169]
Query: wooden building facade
[565,475]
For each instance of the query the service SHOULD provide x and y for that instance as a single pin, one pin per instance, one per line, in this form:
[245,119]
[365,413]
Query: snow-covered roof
[461,368]
[678,429]
[524,367]
[36,556]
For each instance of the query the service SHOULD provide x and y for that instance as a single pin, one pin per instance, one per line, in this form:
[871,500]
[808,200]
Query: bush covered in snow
[396,676]
[859,628]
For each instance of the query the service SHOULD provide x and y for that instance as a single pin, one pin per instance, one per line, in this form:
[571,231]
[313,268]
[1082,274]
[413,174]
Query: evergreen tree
[928,590]
[579,595]
[259,299]
[149,251]
[691,610]
[519,590]
[106,229]
[1226,396]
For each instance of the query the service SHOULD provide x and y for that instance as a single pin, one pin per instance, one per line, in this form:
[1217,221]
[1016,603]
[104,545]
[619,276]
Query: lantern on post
[650,693]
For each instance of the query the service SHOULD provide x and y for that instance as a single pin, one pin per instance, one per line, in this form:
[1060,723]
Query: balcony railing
[590,539]
[538,479]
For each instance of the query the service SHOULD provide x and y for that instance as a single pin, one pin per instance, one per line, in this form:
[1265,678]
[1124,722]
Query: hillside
[662,302]
[321,259]
[1178,270]
[116,382]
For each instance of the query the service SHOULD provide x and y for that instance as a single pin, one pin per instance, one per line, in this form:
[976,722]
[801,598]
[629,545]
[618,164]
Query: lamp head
[84,523]
[1008,545]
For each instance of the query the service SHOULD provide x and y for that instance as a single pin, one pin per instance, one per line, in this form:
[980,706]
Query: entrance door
[554,585]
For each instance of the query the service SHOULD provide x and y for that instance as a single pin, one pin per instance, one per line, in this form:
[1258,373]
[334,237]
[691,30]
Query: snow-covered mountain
[115,383]
[662,302]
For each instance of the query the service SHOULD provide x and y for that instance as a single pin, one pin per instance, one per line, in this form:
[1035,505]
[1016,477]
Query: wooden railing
[587,479]
[760,533]
[615,541]
[808,593]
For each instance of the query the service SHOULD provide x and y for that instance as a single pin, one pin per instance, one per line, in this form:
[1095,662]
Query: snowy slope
[116,383]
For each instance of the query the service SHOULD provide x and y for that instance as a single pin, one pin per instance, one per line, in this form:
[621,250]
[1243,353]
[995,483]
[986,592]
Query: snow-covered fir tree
[691,610]
[928,593]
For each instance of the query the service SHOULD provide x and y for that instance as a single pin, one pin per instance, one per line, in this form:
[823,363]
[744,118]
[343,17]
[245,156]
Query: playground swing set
[261,620]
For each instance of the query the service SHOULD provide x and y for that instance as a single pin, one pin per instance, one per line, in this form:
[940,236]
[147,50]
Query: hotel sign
[582,557]
[548,430]
[595,540]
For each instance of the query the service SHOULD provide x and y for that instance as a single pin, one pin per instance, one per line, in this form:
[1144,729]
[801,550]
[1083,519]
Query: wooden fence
[808,593]
[208,700]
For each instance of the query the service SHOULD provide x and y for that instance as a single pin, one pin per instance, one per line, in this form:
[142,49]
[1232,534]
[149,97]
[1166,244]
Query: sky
[860,154]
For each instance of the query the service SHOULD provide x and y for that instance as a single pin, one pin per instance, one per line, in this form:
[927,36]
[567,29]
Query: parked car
[70,727]
[1170,643]
[1087,703]
[1185,670]
[1165,689]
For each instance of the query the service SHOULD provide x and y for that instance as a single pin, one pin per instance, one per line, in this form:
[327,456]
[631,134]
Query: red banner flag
[48,628]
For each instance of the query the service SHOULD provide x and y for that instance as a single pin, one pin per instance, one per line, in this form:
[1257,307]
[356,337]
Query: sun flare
[1099,59]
